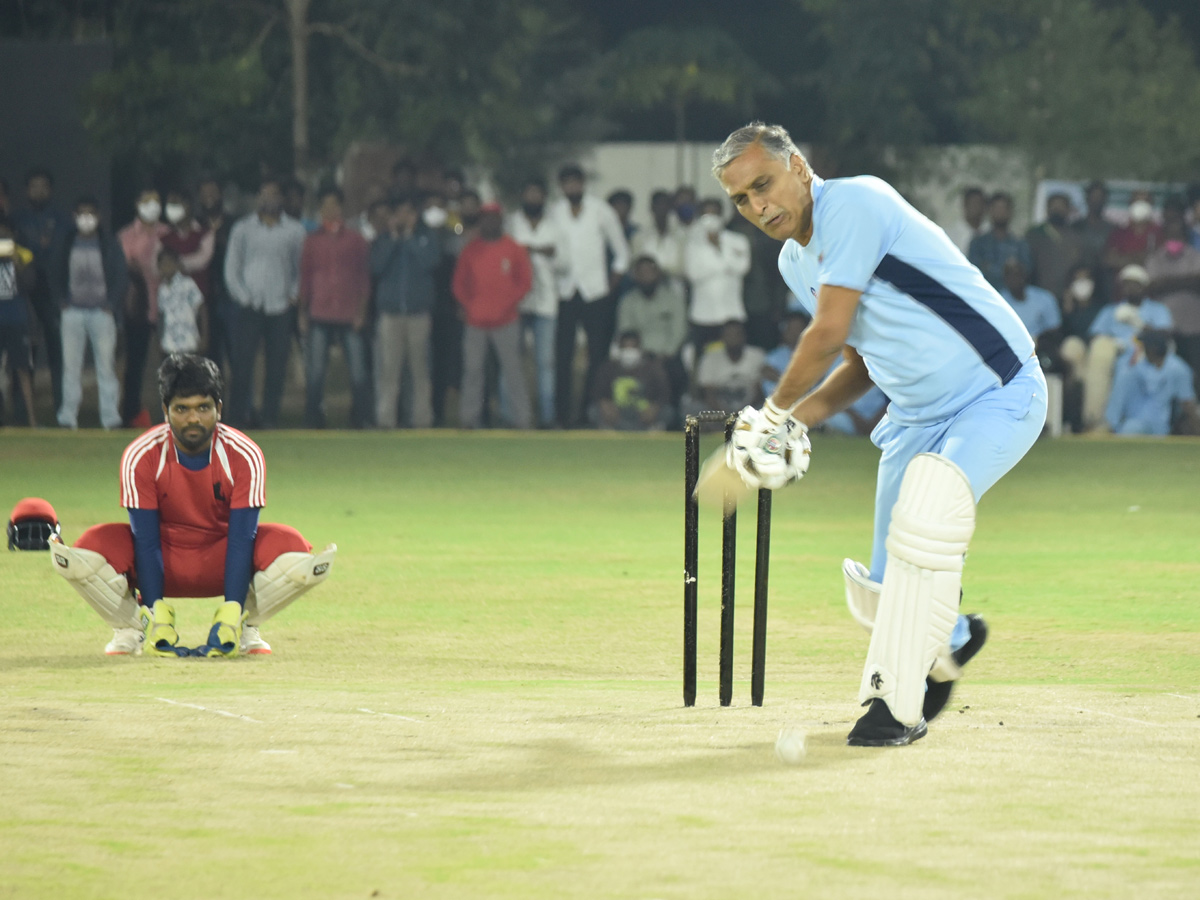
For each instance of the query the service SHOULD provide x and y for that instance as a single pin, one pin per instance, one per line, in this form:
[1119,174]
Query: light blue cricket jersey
[935,336]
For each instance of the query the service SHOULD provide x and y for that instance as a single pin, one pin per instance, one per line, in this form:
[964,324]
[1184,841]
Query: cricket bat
[719,484]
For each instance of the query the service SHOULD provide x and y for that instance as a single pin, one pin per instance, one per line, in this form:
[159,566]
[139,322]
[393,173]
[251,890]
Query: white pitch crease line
[219,712]
[1180,696]
[389,715]
[1124,718]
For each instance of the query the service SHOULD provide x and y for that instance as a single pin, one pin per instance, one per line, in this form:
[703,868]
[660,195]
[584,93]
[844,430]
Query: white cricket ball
[789,746]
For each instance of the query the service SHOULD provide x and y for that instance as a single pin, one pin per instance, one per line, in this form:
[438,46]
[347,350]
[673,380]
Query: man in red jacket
[492,276]
[335,285]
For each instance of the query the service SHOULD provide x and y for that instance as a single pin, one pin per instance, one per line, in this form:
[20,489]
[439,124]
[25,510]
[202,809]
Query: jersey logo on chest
[217,493]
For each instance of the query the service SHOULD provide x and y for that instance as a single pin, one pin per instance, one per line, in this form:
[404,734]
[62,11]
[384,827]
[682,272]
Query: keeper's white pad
[862,594]
[285,579]
[106,591]
[932,523]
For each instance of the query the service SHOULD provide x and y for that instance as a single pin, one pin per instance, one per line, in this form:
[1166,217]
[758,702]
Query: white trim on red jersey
[225,440]
[249,451]
[130,458]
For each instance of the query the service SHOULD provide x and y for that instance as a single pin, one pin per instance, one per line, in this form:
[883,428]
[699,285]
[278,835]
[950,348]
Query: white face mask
[1082,288]
[709,223]
[434,217]
[629,357]
[86,223]
[1140,210]
[149,210]
[176,212]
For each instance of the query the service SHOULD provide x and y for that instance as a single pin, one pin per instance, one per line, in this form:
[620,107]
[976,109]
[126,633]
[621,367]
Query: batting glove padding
[766,455]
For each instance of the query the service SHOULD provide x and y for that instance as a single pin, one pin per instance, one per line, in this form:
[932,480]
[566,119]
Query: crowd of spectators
[560,312]
[1112,302]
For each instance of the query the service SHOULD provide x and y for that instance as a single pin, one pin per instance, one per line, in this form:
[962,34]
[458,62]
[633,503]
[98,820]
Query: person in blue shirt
[1111,340]
[898,303]
[1151,392]
[996,246]
[1035,307]
[857,419]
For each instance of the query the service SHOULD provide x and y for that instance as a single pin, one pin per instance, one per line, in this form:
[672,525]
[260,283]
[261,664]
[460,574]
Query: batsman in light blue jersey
[892,296]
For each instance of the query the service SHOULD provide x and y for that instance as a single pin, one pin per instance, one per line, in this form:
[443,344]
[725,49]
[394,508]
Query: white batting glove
[768,449]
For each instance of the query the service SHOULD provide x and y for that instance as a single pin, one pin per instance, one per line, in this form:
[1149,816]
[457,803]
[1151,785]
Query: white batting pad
[285,579]
[98,583]
[932,523]
[862,594]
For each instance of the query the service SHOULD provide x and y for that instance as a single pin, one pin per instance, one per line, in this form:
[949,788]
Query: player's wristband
[774,414]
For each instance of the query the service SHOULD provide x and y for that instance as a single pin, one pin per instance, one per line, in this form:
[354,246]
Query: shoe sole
[910,735]
[258,652]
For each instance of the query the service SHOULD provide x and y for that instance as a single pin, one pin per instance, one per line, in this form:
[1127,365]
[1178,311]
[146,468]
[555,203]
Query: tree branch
[262,36]
[354,44]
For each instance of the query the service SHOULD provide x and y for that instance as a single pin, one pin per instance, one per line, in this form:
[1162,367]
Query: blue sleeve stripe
[956,312]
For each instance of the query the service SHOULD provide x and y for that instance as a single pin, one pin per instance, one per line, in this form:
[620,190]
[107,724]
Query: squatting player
[893,296]
[193,488]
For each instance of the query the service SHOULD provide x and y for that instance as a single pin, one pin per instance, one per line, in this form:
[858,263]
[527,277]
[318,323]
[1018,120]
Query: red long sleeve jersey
[491,279]
[193,507]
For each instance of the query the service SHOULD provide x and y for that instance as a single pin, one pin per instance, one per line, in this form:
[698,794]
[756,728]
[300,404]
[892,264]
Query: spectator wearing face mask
[88,280]
[188,239]
[141,240]
[1174,270]
[1111,341]
[715,261]
[631,391]
[1130,244]
[1080,305]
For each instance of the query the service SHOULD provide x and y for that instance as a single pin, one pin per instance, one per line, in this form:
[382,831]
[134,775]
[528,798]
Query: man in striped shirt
[193,487]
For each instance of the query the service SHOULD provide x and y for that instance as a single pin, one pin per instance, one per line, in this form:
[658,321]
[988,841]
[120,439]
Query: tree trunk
[298,31]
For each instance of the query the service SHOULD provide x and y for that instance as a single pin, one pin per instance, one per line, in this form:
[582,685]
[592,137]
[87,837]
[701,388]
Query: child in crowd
[180,307]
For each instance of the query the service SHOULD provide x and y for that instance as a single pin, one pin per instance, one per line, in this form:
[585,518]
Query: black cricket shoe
[937,693]
[879,728]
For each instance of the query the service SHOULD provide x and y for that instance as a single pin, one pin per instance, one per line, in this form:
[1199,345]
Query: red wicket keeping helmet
[31,524]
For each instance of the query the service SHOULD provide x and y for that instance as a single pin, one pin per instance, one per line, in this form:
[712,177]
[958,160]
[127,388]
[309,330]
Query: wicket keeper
[891,295]
[193,488]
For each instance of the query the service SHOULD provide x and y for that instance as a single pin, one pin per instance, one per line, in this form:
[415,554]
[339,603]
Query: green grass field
[484,699]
